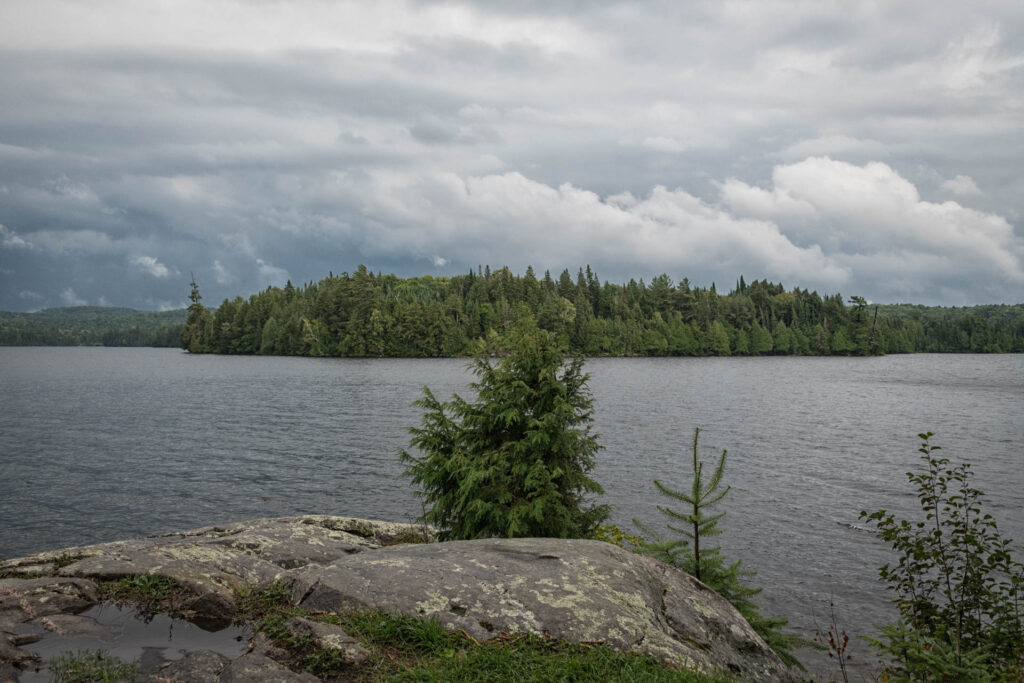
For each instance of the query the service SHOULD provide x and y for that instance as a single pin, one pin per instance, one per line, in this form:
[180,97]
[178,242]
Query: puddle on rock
[122,632]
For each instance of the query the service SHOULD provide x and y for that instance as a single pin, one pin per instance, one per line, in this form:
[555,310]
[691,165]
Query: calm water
[99,444]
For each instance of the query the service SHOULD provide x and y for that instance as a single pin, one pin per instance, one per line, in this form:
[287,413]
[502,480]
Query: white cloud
[151,265]
[528,222]
[873,222]
[961,186]
[69,298]
[28,295]
[440,262]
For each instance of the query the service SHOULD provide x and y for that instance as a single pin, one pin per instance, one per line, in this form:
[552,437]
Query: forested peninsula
[374,315]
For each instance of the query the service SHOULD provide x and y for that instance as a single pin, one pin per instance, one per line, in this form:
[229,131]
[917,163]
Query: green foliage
[694,524]
[374,315]
[535,659]
[90,666]
[958,589]
[609,533]
[515,462]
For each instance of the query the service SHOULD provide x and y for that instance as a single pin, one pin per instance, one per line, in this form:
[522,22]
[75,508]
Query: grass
[406,648]
[255,604]
[90,666]
[151,594]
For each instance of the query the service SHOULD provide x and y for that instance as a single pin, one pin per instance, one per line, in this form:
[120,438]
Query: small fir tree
[516,461]
[707,564]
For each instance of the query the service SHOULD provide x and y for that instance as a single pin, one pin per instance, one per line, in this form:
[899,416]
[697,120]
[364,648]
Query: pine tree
[516,461]
[707,563]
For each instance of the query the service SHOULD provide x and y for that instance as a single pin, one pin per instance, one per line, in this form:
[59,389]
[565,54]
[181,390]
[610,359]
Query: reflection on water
[122,633]
[98,444]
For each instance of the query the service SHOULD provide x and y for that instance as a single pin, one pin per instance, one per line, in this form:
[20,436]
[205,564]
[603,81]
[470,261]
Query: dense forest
[366,314]
[91,326]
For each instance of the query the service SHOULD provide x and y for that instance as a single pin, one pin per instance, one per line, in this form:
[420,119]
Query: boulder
[574,590]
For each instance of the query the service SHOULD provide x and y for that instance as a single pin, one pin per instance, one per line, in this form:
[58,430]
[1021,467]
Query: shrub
[957,587]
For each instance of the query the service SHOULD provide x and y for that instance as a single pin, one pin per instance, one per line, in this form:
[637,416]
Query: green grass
[255,604]
[406,648]
[150,593]
[90,666]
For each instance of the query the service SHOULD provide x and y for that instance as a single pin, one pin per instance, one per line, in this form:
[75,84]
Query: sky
[863,148]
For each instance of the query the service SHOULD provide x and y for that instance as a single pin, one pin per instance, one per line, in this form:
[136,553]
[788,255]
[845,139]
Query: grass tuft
[255,604]
[149,593]
[91,666]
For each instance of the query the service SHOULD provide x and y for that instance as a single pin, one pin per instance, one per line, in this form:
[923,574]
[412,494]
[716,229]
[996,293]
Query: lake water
[99,444]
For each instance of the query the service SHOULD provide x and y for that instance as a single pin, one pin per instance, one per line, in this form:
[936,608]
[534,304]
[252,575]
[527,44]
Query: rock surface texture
[574,590]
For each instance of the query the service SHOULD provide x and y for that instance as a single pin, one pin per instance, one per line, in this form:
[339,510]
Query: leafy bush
[958,589]
[516,461]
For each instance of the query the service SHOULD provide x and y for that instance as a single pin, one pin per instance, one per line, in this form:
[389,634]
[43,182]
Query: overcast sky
[868,148]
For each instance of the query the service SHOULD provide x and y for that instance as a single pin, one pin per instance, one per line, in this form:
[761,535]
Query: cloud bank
[872,150]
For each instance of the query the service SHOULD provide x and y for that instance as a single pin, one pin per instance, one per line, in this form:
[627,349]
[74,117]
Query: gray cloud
[251,143]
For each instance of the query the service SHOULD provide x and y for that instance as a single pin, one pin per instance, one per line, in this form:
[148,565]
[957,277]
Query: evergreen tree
[707,564]
[194,336]
[516,461]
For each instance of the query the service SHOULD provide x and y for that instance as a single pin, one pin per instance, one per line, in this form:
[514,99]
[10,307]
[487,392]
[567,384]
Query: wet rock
[210,612]
[8,674]
[26,634]
[10,654]
[254,668]
[76,625]
[262,645]
[50,595]
[330,637]
[204,666]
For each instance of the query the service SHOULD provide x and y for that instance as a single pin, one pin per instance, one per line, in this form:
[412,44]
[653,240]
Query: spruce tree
[516,461]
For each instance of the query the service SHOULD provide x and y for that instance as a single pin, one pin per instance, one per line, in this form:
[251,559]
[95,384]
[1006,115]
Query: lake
[98,444]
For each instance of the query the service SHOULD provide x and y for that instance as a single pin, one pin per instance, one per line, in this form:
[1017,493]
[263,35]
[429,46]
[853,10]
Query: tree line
[92,326]
[363,314]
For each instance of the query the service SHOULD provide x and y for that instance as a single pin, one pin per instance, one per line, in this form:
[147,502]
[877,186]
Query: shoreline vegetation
[364,314]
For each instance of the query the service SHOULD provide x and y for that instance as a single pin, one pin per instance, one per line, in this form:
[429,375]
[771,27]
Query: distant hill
[92,326]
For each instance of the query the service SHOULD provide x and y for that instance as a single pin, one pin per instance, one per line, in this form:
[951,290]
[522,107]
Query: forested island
[364,314]
[374,315]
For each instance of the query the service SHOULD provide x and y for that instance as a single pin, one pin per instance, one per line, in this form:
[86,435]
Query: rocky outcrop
[575,590]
